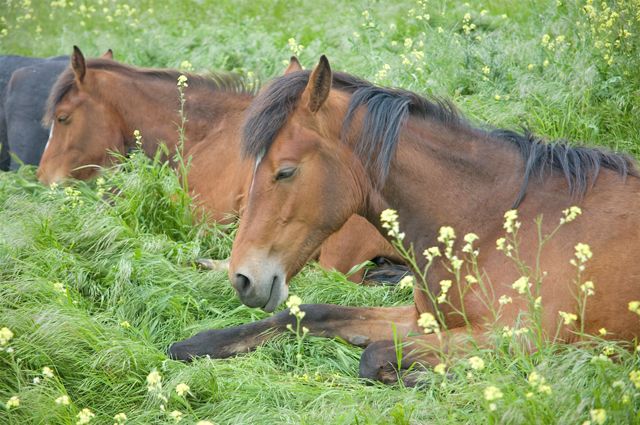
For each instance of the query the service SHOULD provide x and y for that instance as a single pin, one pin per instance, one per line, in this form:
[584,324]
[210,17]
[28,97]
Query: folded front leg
[357,325]
[379,360]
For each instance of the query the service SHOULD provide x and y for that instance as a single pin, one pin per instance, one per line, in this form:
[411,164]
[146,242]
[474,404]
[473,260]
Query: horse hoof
[210,264]
[178,351]
[386,274]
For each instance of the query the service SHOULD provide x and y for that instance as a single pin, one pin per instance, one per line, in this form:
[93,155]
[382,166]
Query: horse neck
[445,175]
[152,107]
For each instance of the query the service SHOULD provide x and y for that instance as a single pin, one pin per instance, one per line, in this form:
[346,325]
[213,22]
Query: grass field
[95,286]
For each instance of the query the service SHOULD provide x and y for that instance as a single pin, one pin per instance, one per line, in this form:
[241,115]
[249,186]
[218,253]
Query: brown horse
[328,145]
[96,105]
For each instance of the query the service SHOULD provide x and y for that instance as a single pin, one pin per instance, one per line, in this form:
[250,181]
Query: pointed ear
[319,85]
[108,54]
[294,65]
[78,64]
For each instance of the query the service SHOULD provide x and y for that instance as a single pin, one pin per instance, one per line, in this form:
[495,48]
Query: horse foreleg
[379,360]
[358,325]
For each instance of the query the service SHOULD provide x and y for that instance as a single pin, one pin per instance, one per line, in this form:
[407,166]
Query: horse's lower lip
[274,294]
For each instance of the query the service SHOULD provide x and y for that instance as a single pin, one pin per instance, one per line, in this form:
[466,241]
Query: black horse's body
[24,87]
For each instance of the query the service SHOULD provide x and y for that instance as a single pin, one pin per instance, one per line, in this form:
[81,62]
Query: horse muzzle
[261,284]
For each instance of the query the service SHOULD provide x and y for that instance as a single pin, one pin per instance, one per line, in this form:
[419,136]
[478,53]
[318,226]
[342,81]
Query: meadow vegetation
[98,278]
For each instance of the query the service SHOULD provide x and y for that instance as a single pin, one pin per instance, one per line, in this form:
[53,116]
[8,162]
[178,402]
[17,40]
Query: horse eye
[285,173]
[62,119]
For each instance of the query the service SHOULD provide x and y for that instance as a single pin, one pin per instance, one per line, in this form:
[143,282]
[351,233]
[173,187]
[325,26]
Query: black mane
[215,81]
[388,110]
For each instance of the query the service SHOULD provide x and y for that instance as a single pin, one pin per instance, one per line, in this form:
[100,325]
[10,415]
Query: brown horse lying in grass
[328,145]
[96,105]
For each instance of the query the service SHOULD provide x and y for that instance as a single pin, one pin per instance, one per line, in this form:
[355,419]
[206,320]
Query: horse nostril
[241,283]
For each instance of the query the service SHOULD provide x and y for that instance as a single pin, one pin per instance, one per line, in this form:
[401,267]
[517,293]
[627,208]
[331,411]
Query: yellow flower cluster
[583,252]
[598,416]
[176,415]
[467,25]
[492,393]
[445,285]
[406,282]
[470,238]
[440,369]
[538,382]
[12,402]
[63,400]
[5,336]
[521,285]
[570,214]
[84,416]
[182,389]
[568,318]
[154,381]
[293,304]
[429,323]
[120,418]
[634,306]
[511,223]
[476,363]
[431,253]
[389,219]
[182,83]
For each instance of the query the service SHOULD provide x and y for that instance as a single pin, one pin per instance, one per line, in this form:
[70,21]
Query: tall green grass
[97,279]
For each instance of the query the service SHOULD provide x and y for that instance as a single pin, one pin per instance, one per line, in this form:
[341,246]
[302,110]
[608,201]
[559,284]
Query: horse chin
[279,293]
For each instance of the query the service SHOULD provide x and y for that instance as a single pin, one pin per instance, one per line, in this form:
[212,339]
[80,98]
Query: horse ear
[78,64]
[294,65]
[108,54]
[319,85]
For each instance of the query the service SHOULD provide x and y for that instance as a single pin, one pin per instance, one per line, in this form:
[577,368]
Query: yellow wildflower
[12,402]
[634,306]
[182,389]
[510,218]
[598,416]
[476,363]
[444,288]
[568,318]
[5,336]
[440,368]
[521,285]
[47,372]
[154,381]
[492,393]
[63,400]
[84,416]
[120,418]
[406,282]
[429,323]
[294,307]
[176,415]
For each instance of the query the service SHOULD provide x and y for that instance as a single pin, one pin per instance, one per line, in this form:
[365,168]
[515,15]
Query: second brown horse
[97,104]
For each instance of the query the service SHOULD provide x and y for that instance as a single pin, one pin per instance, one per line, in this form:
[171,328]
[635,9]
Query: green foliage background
[563,69]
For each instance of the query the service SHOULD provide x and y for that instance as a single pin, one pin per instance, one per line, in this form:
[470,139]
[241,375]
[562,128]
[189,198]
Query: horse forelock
[226,82]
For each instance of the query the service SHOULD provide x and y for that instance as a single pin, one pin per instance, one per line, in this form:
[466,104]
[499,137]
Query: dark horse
[24,86]
[358,148]
[96,105]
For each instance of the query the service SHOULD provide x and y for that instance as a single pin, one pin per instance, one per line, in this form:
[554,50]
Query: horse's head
[306,182]
[82,127]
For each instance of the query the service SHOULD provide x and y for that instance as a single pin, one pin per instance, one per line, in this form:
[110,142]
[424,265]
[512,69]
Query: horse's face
[83,131]
[304,188]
